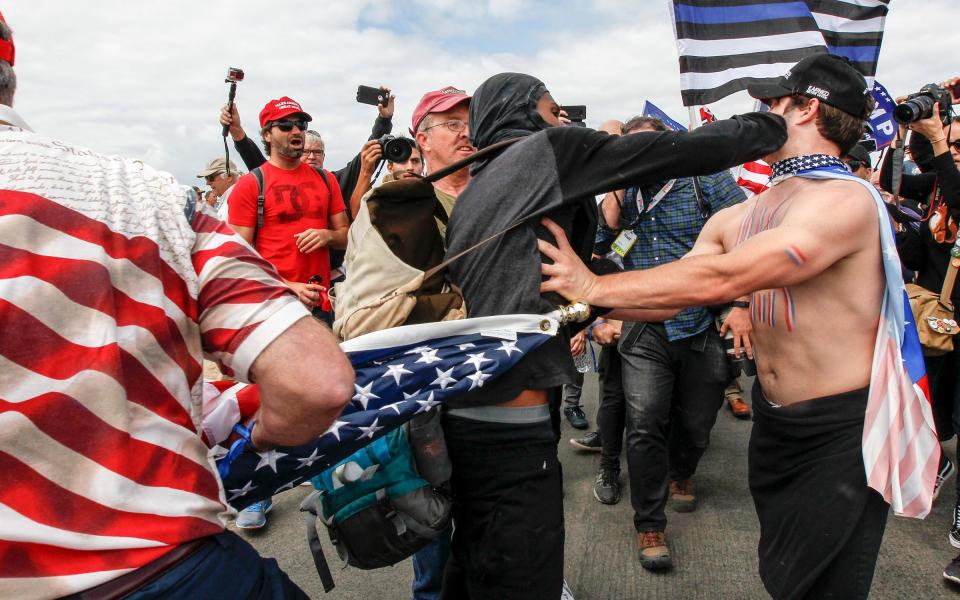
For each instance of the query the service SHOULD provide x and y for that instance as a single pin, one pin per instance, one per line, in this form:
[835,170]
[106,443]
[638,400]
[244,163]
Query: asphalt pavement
[714,548]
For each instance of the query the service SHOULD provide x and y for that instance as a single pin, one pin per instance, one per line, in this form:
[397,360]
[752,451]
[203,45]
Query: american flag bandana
[901,451]
[400,373]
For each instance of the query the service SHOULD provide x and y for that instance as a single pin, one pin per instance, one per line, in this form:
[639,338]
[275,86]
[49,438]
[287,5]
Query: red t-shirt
[293,201]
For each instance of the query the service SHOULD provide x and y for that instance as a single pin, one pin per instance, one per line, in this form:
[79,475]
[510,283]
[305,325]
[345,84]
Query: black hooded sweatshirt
[556,172]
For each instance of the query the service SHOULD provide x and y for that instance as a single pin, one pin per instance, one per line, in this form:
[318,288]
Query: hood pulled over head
[505,107]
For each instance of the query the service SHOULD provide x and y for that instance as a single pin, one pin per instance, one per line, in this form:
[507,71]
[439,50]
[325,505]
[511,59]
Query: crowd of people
[126,293]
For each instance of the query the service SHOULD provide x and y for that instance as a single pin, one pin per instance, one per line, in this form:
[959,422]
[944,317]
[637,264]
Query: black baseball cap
[832,79]
[859,153]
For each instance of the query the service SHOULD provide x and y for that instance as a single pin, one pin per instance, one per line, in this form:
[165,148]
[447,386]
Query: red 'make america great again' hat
[7,50]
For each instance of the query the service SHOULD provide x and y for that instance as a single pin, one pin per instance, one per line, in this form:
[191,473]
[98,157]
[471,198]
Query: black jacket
[556,172]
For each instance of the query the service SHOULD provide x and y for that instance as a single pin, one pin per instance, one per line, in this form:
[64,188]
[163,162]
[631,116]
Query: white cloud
[146,79]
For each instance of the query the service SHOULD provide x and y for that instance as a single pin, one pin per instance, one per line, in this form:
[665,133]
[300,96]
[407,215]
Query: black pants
[673,390]
[820,524]
[612,414]
[507,512]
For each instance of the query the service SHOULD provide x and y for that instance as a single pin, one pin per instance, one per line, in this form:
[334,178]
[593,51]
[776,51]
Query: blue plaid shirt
[669,231]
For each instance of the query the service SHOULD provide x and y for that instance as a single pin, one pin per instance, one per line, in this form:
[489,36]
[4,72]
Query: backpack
[386,501]
[383,503]
[395,258]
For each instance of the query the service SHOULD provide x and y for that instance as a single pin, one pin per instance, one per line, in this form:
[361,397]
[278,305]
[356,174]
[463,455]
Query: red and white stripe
[108,300]
[754,177]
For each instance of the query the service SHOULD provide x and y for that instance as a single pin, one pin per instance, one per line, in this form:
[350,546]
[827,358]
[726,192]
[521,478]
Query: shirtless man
[807,250]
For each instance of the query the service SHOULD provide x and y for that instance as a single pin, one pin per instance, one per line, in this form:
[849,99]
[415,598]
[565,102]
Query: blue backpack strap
[258,174]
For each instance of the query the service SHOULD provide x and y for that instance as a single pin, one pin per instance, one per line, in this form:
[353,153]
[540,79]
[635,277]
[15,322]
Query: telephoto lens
[914,109]
[396,150]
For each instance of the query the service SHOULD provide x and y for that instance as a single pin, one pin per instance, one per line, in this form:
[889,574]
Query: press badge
[624,242]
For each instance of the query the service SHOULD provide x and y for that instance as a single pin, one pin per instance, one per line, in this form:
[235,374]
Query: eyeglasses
[855,164]
[454,125]
[287,126]
[314,152]
[955,144]
[212,178]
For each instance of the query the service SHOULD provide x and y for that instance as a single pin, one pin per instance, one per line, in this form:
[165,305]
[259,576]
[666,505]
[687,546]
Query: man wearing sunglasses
[858,161]
[303,215]
[215,174]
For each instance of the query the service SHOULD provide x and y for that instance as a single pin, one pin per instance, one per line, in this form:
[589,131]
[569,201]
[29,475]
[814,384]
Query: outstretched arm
[802,246]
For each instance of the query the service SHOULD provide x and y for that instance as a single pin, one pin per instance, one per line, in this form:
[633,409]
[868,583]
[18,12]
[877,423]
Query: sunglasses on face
[212,178]
[287,126]
[855,164]
[955,144]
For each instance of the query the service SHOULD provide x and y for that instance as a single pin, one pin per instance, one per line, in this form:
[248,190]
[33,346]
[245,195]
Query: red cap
[280,108]
[7,51]
[438,101]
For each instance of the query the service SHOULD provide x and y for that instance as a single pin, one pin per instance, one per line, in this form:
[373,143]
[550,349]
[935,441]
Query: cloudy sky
[145,79]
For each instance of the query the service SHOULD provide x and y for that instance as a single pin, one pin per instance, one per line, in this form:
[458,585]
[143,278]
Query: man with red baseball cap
[442,131]
[292,214]
[8,79]
[108,489]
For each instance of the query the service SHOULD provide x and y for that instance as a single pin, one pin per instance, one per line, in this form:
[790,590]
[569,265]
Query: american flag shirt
[112,288]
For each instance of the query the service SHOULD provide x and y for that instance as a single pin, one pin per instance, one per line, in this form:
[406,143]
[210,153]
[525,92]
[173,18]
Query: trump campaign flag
[726,44]
[651,110]
[883,127]
[400,373]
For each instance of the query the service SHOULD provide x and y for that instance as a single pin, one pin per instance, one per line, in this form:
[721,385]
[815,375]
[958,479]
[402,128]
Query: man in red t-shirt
[303,212]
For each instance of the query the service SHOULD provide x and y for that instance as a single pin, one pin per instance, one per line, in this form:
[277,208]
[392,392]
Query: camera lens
[396,150]
[914,109]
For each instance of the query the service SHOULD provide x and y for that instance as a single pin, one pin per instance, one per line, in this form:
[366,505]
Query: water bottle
[582,362]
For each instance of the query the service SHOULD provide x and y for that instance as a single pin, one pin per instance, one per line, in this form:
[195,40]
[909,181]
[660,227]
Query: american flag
[901,451]
[400,373]
[726,44]
[754,177]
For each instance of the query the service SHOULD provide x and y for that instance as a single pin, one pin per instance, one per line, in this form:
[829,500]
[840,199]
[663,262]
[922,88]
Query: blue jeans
[228,567]
[673,391]
[428,566]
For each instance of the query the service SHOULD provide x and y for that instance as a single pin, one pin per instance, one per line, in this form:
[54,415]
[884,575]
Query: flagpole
[694,117]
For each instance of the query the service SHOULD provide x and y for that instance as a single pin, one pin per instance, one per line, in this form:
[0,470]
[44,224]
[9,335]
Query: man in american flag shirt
[843,425]
[113,286]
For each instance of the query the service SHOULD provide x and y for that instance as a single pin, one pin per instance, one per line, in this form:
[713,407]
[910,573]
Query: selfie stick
[226,128]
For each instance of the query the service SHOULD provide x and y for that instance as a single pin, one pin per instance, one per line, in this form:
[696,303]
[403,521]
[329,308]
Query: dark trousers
[612,414]
[944,391]
[673,390]
[228,567]
[507,512]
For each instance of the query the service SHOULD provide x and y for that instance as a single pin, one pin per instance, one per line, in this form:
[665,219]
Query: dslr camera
[395,149]
[920,105]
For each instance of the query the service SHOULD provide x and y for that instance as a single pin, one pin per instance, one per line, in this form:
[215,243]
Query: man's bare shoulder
[829,202]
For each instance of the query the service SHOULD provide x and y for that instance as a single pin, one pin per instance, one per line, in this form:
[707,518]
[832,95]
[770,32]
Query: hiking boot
[944,472]
[952,572]
[255,515]
[607,488]
[652,550]
[682,496]
[954,536]
[575,415]
[738,407]
[588,443]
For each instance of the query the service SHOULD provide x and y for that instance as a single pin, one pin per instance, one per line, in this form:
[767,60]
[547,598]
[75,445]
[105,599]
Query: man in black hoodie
[508,508]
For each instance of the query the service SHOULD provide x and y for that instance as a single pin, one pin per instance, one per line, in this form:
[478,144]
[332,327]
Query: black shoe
[607,488]
[575,415]
[954,536]
[952,572]
[589,442]
[944,471]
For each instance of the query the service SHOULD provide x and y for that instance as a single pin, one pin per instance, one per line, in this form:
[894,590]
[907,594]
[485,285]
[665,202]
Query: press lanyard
[656,198]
